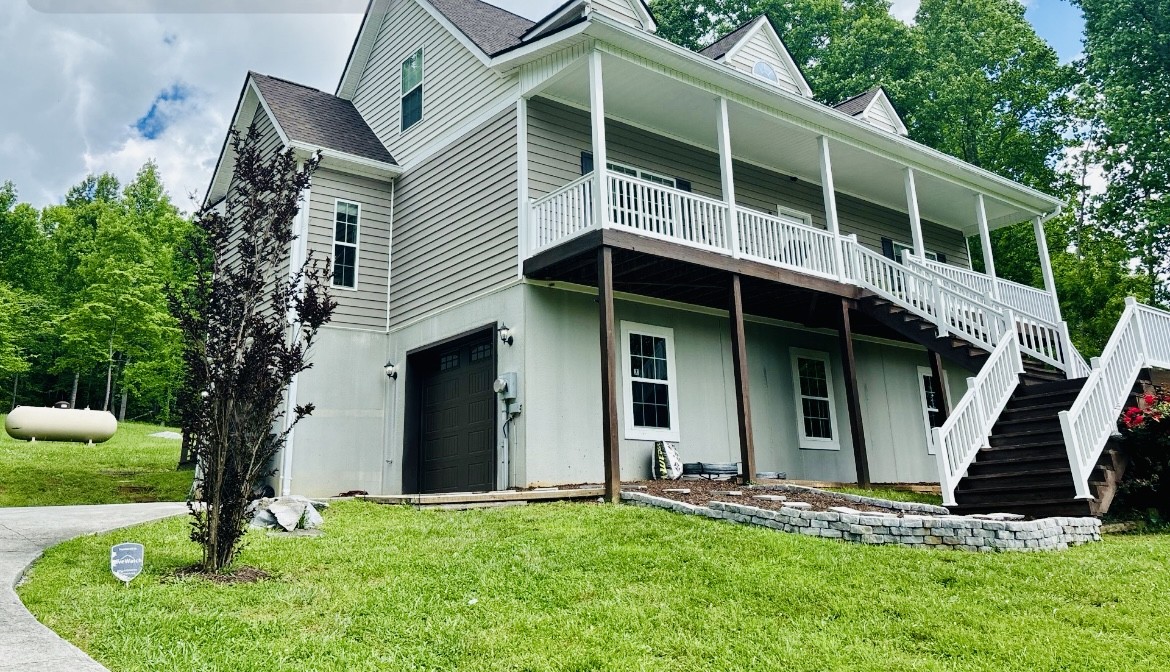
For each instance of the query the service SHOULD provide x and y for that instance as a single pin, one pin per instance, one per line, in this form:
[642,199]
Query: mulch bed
[703,491]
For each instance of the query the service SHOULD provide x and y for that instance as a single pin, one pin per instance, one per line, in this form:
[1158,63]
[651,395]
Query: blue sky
[113,90]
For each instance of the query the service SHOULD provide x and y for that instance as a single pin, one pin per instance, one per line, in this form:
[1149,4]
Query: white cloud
[904,9]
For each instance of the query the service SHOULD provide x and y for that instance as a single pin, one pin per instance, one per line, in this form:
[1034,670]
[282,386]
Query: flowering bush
[1145,428]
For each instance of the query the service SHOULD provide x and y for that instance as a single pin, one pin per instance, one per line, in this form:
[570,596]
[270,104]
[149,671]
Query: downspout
[297,256]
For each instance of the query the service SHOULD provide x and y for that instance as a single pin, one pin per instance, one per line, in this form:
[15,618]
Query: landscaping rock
[287,513]
[678,491]
[771,498]
[798,505]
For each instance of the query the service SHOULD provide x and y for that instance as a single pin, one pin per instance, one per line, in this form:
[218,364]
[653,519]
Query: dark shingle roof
[719,48]
[319,119]
[492,29]
[857,104]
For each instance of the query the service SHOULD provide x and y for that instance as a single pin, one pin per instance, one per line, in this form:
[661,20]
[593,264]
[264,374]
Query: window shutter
[681,184]
[942,258]
[586,163]
[888,248]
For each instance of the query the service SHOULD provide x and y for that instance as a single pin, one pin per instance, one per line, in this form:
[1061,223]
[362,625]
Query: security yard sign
[126,561]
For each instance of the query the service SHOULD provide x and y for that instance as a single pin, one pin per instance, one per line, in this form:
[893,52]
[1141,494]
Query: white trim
[633,432]
[985,242]
[390,256]
[1046,262]
[268,110]
[422,117]
[812,442]
[538,28]
[945,387]
[597,124]
[357,250]
[641,174]
[363,165]
[781,51]
[915,217]
[523,204]
[803,217]
[458,34]
[882,100]
[727,172]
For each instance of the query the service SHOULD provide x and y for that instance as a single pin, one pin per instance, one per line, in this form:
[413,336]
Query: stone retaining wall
[955,532]
[915,507]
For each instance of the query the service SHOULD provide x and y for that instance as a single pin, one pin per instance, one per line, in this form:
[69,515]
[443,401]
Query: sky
[106,85]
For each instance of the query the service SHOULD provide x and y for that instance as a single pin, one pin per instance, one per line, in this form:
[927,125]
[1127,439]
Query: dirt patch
[232,576]
[704,491]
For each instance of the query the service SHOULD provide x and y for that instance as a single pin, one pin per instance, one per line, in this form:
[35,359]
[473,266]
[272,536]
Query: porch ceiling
[671,107]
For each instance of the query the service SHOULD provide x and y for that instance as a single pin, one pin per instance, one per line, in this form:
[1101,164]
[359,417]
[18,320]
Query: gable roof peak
[756,47]
[874,107]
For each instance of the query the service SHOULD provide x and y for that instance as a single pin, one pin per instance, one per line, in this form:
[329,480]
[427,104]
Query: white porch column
[1046,263]
[829,191]
[524,202]
[727,173]
[597,115]
[915,219]
[985,243]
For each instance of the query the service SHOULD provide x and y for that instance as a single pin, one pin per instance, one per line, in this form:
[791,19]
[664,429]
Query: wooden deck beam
[743,404]
[853,397]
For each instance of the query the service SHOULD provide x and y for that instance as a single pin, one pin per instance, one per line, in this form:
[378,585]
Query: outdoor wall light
[505,334]
[391,371]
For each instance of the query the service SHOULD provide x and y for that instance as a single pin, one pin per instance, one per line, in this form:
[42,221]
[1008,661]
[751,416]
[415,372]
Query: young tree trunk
[122,410]
[15,383]
[73,394]
[109,384]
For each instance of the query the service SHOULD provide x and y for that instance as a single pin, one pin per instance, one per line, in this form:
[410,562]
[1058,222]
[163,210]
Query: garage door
[457,441]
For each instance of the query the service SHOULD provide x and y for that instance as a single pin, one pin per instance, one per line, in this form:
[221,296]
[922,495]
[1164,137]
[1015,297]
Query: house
[558,242]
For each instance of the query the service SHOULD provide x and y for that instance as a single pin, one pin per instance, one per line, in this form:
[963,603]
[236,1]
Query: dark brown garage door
[457,437]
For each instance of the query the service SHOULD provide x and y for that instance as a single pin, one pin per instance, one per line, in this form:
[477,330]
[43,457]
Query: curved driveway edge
[25,533]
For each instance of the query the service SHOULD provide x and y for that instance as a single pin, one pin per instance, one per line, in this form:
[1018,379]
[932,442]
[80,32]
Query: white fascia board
[763,24]
[348,163]
[577,7]
[817,117]
[363,46]
[511,60]
[458,34]
[250,100]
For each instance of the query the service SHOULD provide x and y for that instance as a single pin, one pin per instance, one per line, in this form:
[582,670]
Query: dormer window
[765,71]
[412,90]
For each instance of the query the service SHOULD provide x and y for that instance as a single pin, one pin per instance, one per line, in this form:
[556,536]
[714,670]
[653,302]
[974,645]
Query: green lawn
[131,467]
[592,587]
[895,495]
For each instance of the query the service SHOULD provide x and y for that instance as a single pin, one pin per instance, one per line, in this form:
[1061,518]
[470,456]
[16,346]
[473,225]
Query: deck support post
[915,217]
[726,172]
[832,224]
[856,426]
[743,404]
[609,379]
[600,160]
[936,370]
[985,243]
[1046,263]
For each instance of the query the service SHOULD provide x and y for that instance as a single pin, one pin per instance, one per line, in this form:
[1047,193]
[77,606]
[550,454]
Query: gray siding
[365,306]
[452,76]
[455,227]
[760,48]
[558,134]
[622,10]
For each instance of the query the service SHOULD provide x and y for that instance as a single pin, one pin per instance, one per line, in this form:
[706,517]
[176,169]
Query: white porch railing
[786,243]
[969,425]
[1141,339]
[671,214]
[563,214]
[1020,298]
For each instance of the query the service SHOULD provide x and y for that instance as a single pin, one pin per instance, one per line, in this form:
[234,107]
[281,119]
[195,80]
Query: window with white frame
[346,222]
[412,90]
[785,212]
[812,380]
[651,382]
[646,175]
[933,413]
[900,248]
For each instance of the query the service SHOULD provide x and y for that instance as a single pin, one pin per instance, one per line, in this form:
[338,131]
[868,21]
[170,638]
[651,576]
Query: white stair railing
[1041,337]
[1141,339]
[969,425]
[563,214]
[953,312]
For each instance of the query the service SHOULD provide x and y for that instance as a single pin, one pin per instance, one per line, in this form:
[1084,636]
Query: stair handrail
[968,428]
[957,313]
[1141,339]
[1041,338]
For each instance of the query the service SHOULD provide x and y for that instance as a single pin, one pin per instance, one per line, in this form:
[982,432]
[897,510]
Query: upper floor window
[346,220]
[901,249]
[412,90]
[765,71]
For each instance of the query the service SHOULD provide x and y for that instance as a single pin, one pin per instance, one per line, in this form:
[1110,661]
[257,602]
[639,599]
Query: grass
[893,494]
[131,467]
[580,587]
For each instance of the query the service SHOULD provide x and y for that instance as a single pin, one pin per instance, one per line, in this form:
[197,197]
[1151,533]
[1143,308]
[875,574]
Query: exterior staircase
[1034,434]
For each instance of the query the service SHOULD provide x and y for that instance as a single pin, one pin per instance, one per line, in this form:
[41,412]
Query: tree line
[83,309]
[973,79]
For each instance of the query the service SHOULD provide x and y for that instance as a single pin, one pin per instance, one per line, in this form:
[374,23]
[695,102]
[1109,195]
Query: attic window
[765,71]
[412,90]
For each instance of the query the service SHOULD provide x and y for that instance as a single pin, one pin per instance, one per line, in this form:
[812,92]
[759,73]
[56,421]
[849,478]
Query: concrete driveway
[25,533]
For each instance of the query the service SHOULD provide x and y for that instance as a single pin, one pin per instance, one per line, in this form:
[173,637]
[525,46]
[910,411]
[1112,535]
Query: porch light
[391,370]
[505,334]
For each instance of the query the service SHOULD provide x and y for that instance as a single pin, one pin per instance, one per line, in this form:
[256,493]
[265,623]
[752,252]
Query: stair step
[1050,449]
[1030,400]
[1049,410]
[1046,423]
[1027,438]
[1019,480]
[1055,386]
[1036,508]
[1018,463]
[997,494]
